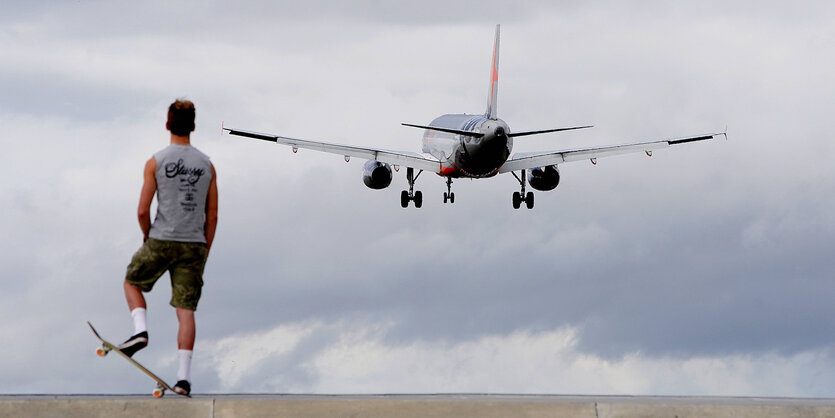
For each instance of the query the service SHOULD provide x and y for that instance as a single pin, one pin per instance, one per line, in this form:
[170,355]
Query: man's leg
[185,344]
[134,297]
[137,306]
[145,268]
[187,331]
[186,285]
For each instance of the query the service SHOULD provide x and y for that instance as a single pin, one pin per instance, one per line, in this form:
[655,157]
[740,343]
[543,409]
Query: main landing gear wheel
[519,197]
[449,195]
[411,195]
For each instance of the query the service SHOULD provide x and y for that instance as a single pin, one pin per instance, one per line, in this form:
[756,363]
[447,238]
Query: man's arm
[149,187]
[211,210]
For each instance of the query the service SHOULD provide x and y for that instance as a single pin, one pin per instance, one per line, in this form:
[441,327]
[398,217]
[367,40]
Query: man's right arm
[149,187]
[211,210]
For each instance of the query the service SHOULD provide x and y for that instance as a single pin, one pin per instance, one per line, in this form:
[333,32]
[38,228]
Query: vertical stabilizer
[494,80]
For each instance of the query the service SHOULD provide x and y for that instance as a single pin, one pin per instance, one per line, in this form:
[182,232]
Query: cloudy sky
[704,270]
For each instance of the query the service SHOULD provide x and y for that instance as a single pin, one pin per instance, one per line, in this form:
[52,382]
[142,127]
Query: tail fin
[494,80]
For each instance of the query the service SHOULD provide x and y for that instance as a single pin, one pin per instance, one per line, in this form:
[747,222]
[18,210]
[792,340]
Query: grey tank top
[183,176]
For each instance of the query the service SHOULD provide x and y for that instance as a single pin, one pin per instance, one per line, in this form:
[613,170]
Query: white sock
[139,320]
[185,365]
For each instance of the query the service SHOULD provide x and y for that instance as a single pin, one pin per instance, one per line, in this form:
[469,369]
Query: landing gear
[519,197]
[411,194]
[449,195]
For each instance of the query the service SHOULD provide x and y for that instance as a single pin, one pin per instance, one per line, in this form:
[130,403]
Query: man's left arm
[211,210]
[149,187]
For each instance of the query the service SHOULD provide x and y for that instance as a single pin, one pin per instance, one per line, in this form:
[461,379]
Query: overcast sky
[704,270]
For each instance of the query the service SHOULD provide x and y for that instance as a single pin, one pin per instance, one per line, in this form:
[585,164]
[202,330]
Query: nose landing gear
[449,195]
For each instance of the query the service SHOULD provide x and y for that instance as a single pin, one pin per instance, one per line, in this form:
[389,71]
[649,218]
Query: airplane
[471,146]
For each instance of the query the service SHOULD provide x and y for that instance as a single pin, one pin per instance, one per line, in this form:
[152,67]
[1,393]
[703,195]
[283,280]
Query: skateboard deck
[107,347]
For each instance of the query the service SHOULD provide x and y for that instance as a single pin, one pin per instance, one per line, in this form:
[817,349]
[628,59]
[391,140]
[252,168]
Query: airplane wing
[404,158]
[528,160]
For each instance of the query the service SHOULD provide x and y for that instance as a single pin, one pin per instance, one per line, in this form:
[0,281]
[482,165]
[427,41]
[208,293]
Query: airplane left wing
[404,158]
[528,160]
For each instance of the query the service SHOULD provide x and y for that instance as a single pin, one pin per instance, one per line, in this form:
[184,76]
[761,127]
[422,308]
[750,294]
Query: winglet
[494,80]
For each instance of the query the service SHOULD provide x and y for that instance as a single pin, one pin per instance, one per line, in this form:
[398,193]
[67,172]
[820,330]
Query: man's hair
[181,117]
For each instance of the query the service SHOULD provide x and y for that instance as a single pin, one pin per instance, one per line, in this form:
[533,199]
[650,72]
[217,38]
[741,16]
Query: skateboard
[107,347]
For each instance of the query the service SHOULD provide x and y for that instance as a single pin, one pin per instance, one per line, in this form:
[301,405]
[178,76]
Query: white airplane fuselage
[468,156]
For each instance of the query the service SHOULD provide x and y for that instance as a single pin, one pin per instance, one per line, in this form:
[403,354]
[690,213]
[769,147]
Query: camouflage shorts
[184,261]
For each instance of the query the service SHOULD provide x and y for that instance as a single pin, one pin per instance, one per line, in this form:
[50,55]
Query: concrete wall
[222,406]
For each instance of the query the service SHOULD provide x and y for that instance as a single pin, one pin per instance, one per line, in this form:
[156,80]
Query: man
[180,237]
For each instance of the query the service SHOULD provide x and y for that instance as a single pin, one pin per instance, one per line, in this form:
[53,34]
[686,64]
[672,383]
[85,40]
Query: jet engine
[544,178]
[376,175]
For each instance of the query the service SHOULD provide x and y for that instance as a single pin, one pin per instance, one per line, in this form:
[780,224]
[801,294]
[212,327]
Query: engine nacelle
[376,175]
[544,178]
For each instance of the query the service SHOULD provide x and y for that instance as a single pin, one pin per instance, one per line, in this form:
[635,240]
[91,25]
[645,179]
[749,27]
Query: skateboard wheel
[102,351]
[159,392]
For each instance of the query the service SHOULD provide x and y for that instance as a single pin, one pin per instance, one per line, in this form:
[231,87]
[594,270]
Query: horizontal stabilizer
[448,130]
[515,134]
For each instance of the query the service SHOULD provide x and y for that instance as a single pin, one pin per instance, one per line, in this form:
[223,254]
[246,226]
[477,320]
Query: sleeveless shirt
[183,176]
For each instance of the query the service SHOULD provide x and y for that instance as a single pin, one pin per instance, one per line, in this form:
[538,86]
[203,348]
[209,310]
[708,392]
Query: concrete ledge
[402,406]
[222,406]
[103,406]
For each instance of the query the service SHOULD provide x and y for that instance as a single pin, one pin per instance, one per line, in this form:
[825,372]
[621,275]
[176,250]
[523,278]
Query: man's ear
[166,126]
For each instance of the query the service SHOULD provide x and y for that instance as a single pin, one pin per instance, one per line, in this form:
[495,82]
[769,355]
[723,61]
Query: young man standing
[180,237]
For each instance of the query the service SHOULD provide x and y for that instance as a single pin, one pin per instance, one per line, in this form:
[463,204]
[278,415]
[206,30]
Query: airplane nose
[499,131]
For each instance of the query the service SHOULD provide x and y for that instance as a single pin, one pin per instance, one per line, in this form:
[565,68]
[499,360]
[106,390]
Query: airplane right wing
[528,160]
[404,158]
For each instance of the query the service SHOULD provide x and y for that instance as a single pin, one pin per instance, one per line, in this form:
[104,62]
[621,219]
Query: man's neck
[180,140]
